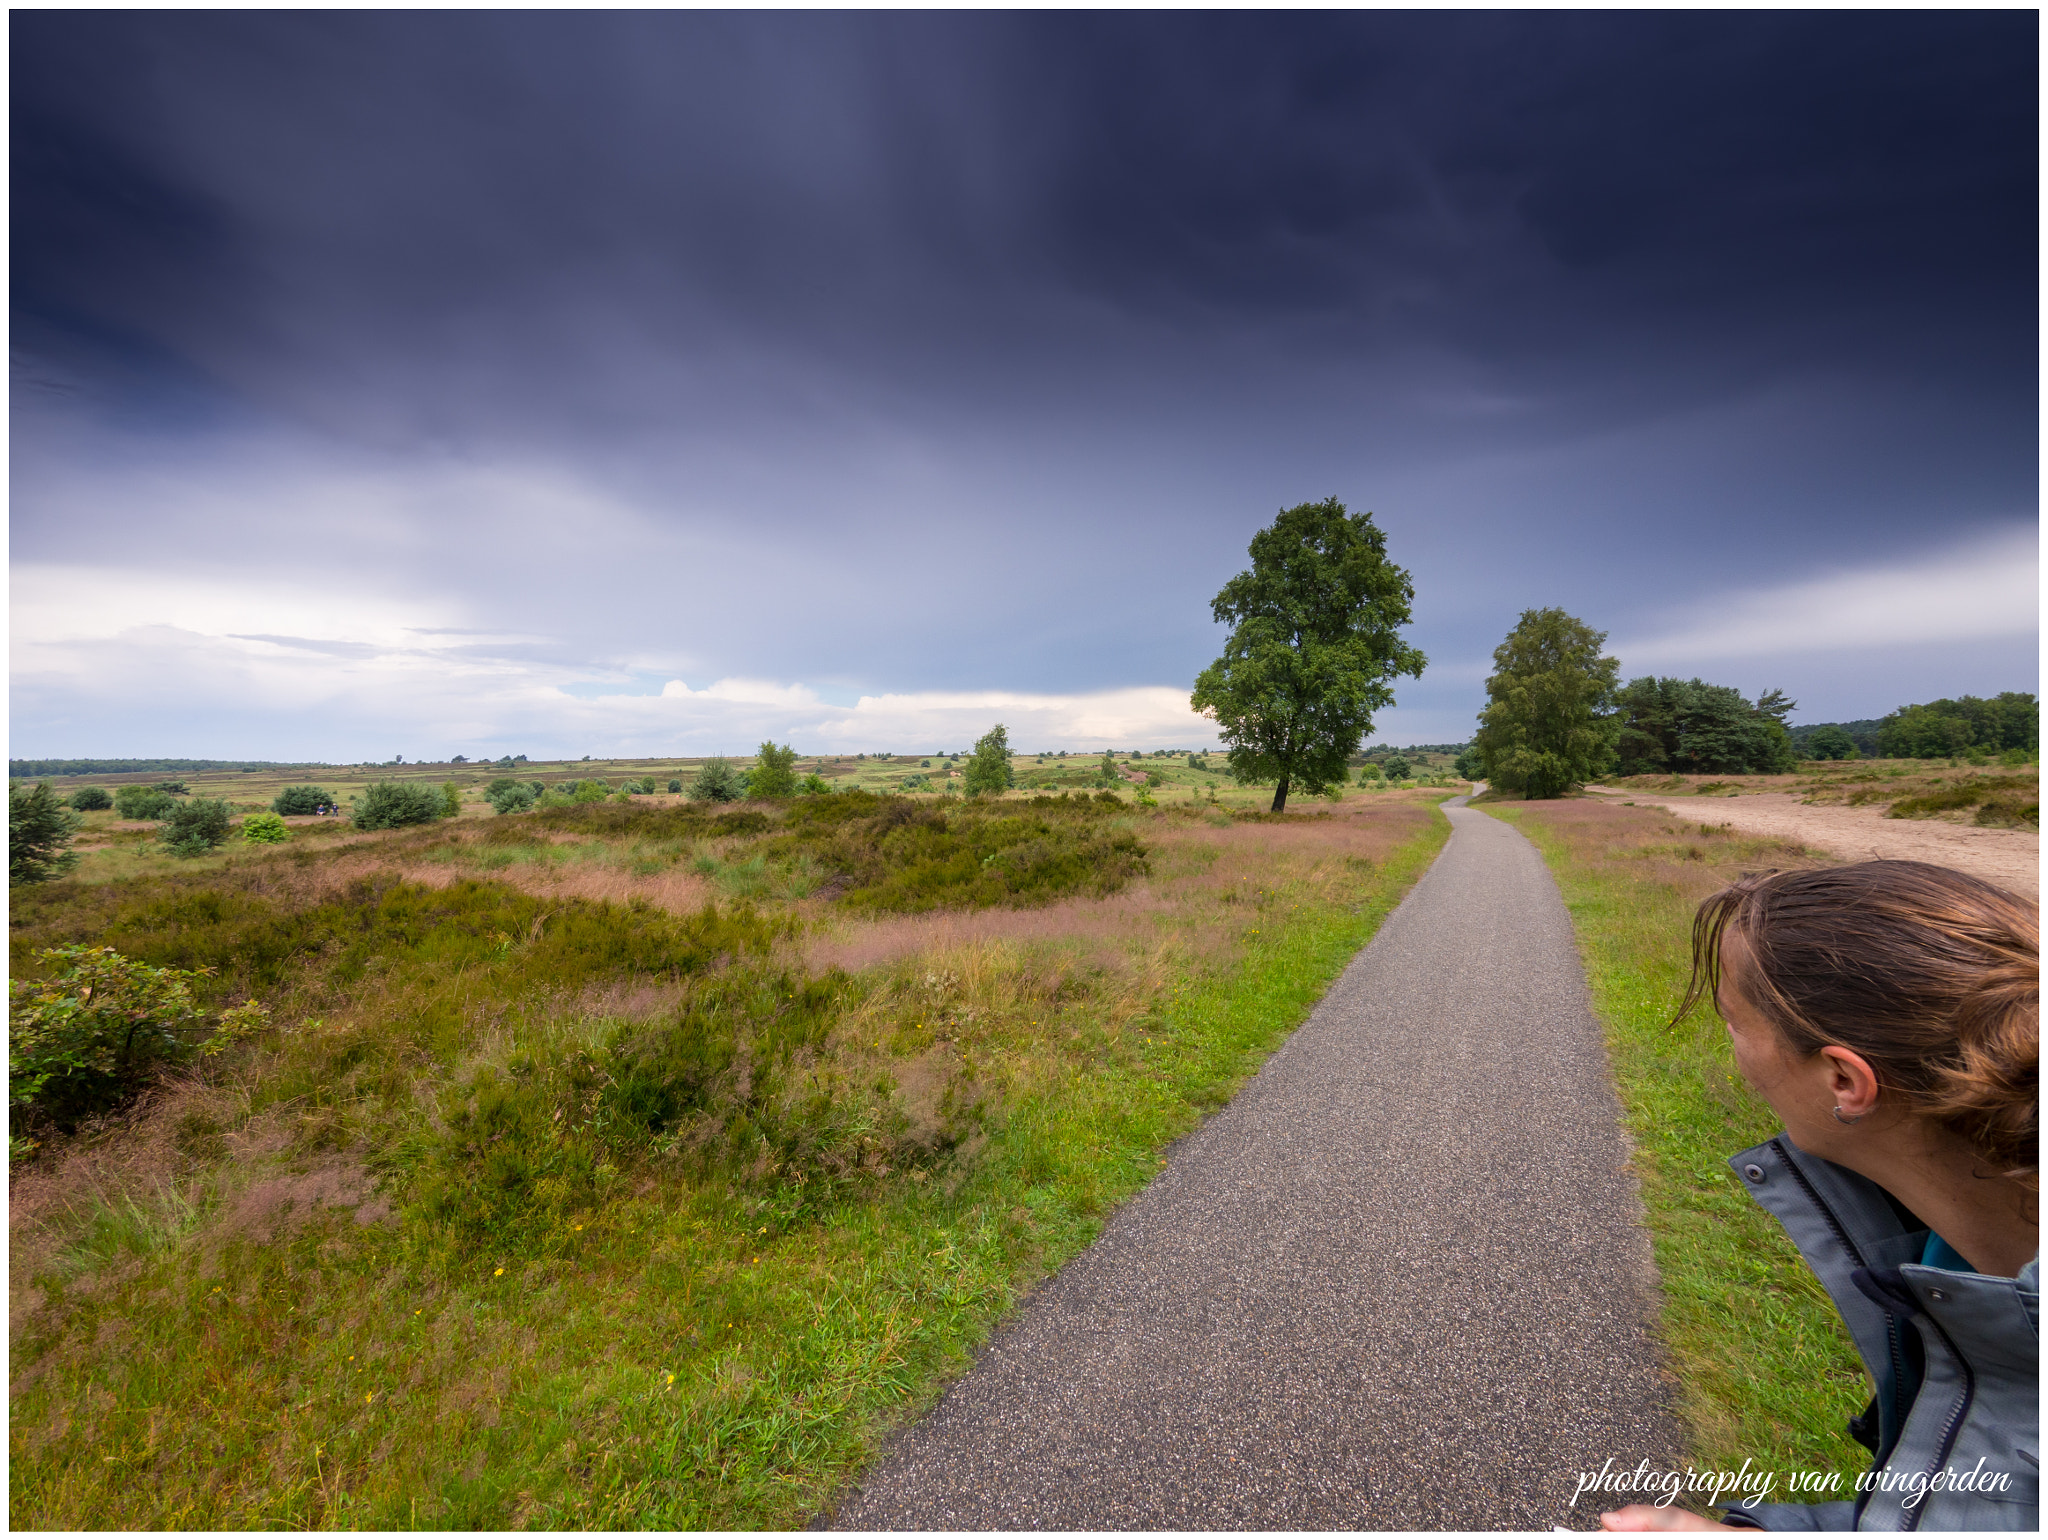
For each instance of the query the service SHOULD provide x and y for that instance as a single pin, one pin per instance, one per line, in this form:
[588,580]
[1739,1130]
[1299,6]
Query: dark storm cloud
[1002,319]
[262,197]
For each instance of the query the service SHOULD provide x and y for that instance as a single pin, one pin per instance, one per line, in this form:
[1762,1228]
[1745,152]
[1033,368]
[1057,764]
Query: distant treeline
[1380,749]
[33,769]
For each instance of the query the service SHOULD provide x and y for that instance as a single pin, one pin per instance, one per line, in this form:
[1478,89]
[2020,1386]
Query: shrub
[2009,757]
[506,795]
[297,801]
[916,782]
[172,788]
[195,827]
[394,804]
[774,773]
[93,1035]
[589,791]
[264,829]
[451,799]
[1396,767]
[39,831]
[717,781]
[674,787]
[143,802]
[813,785]
[94,799]
[1370,772]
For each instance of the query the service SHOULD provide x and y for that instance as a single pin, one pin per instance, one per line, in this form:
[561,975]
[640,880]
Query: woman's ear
[1851,1081]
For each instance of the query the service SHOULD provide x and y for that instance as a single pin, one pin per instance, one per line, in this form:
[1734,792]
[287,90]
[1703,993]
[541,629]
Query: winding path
[1398,1283]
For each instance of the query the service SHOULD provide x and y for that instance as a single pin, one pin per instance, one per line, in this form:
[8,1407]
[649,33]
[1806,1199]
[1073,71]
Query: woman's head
[1929,975]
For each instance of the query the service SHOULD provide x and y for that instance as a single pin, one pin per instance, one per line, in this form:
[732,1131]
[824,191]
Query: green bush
[298,801]
[265,829]
[95,1034]
[589,791]
[813,785]
[674,787]
[451,800]
[1396,767]
[143,802]
[506,795]
[774,772]
[94,799]
[195,827]
[1370,772]
[39,831]
[717,781]
[394,804]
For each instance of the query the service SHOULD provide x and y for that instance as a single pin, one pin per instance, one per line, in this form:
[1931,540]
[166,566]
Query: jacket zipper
[1891,1323]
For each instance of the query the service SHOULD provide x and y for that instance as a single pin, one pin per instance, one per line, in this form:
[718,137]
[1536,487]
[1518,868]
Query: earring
[1840,1119]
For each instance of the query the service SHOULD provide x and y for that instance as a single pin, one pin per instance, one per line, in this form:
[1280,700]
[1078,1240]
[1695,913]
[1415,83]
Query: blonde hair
[1931,975]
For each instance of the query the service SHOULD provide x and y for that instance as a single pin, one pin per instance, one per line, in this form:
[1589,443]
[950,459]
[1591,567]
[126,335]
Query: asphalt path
[1398,1283]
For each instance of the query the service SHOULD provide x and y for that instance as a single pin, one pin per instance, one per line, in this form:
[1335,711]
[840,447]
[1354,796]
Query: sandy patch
[2009,857]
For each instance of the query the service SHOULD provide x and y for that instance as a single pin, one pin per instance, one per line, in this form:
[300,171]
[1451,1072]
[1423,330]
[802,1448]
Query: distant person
[1889,1012]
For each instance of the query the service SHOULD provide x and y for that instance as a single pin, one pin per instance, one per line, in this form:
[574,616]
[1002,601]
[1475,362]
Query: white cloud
[1985,590]
[117,661]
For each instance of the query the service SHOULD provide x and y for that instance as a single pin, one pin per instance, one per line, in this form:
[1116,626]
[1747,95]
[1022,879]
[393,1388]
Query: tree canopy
[1314,645]
[1940,728]
[1548,724]
[1687,726]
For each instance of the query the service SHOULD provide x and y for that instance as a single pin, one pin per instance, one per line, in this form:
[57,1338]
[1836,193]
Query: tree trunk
[1280,796]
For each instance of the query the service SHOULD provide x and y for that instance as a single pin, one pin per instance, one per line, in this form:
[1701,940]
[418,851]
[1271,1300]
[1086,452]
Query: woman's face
[1796,1087]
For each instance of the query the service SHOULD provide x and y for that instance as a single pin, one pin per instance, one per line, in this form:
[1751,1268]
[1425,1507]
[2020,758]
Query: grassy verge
[565,1214]
[1766,1371]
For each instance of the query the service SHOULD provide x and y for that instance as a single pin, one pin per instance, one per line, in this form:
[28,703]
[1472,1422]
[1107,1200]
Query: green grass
[551,1213]
[1765,1369]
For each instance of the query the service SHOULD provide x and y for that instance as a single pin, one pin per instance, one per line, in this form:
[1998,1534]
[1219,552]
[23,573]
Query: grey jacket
[1955,1357]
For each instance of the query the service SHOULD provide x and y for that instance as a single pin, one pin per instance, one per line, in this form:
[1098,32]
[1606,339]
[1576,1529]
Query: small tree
[395,804]
[1396,767]
[39,831]
[298,801]
[717,781]
[1470,765]
[1105,773]
[1312,648]
[989,769]
[1547,725]
[451,800]
[265,829]
[1829,741]
[813,785]
[774,772]
[91,799]
[674,787]
[195,827]
[1370,773]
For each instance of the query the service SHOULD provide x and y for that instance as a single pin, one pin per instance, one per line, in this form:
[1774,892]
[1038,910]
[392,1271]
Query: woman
[1889,1013]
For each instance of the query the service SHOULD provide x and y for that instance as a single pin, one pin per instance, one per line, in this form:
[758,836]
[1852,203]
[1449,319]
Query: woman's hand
[1648,1516]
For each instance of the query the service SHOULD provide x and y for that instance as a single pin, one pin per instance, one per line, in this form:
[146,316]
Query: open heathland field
[1766,1372]
[1987,795]
[637,1164]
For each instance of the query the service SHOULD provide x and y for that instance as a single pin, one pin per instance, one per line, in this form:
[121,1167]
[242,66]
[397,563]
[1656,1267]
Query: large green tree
[1313,647]
[1548,724]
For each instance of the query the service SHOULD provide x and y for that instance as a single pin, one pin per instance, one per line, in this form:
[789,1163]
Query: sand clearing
[2009,857]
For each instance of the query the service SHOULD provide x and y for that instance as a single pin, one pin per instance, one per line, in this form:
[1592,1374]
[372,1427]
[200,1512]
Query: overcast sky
[653,383]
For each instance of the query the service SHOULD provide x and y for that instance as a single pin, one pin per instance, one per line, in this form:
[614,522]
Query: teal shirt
[1939,1253]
